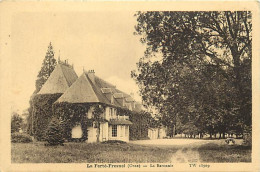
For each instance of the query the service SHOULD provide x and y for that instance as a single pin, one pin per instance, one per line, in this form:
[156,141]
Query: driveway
[187,148]
[171,142]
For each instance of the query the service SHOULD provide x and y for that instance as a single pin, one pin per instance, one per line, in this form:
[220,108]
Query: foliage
[196,69]
[29,119]
[98,118]
[54,133]
[114,142]
[48,66]
[42,113]
[139,128]
[20,138]
[72,115]
[247,135]
[16,122]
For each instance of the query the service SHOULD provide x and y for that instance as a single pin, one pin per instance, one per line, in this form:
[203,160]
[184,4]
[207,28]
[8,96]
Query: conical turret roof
[62,77]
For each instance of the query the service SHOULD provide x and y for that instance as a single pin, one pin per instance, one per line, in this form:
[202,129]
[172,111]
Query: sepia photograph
[138,89]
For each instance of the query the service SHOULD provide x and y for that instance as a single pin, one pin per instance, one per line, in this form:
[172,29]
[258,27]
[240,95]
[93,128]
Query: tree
[197,66]
[48,66]
[54,133]
[16,122]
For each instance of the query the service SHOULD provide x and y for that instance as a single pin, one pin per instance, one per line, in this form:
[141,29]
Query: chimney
[91,75]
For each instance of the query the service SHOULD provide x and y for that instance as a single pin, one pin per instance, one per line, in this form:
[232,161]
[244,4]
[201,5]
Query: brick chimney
[91,75]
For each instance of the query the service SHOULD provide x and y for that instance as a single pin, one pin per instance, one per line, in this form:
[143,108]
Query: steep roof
[60,80]
[80,91]
[89,88]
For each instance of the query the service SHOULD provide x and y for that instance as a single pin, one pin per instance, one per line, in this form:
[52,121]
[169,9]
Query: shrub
[114,142]
[54,133]
[16,122]
[20,138]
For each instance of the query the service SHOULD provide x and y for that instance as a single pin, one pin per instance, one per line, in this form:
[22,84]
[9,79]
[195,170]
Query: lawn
[126,153]
[212,152]
[88,153]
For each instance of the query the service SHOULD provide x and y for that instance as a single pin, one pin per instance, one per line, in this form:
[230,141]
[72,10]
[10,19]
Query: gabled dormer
[109,94]
[120,98]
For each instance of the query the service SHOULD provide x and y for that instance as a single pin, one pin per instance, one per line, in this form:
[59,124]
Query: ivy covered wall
[42,113]
[73,114]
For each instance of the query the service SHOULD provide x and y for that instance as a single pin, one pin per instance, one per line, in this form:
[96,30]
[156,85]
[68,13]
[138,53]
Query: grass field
[124,153]
[82,152]
[224,153]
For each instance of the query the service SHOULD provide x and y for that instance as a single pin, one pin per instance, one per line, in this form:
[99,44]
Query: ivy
[42,113]
[71,115]
[139,129]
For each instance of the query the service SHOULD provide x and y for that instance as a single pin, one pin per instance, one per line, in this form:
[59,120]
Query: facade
[90,90]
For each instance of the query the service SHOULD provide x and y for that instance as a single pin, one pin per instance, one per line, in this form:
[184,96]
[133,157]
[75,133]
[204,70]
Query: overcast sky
[102,41]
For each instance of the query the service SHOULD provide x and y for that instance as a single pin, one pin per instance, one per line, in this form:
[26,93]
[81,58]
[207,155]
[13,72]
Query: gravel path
[187,152]
[171,142]
[186,155]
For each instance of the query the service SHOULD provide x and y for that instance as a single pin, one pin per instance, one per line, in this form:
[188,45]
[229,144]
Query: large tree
[197,67]
[48,65]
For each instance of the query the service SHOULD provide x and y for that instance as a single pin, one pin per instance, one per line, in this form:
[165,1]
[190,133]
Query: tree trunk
[219,135]
[223,135]
[210,135]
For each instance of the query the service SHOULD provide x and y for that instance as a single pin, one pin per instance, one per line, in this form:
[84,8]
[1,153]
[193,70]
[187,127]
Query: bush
[114,142]
[54,133]
[16,122]
[20,138]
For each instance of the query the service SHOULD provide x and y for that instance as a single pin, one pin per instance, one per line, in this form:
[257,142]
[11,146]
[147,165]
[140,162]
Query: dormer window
[112,100]
[120,98]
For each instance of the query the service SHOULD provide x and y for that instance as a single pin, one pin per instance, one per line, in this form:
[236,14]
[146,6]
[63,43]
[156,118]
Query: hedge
[20,138]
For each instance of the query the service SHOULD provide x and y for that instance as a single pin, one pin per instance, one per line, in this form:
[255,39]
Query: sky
[102,41]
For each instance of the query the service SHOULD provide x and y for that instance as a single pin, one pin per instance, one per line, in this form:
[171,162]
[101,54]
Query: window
[114,130]
[122,130]
[126,131]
